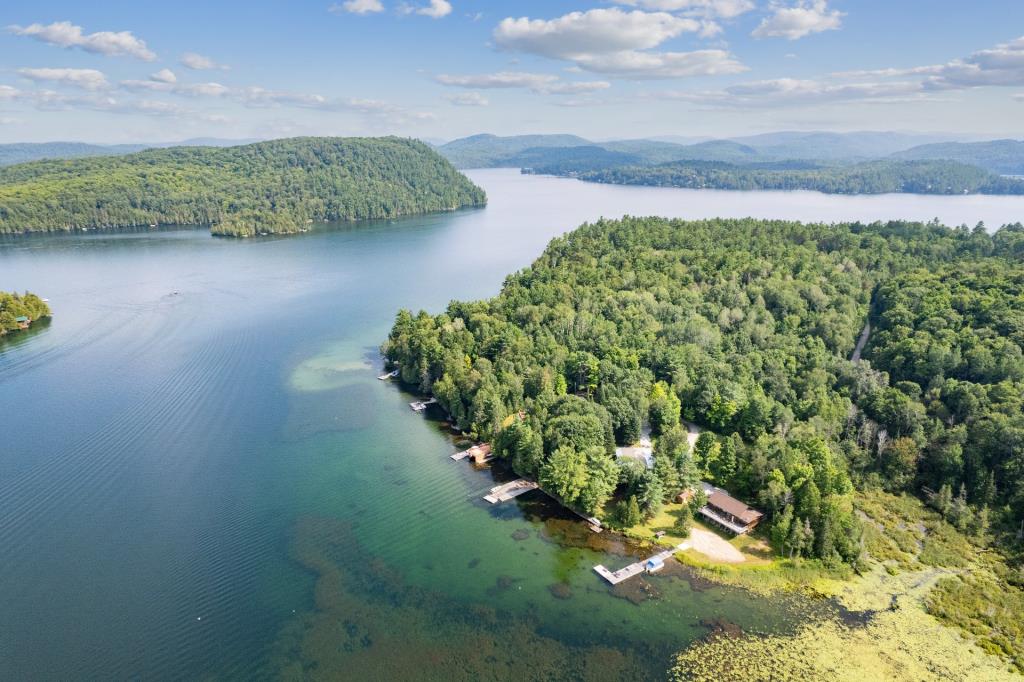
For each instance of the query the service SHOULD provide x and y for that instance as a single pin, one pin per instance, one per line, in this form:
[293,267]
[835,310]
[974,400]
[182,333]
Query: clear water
[201,477]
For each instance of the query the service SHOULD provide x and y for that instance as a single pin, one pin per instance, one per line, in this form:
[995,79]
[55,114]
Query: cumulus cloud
[198,62]
[357,7]
[468,99]
[598,31]
[799,20]
[88,79]
[1002,65]
[435,9]
[725,9]
[999,66]
[67,35]
[541,83]
[616,43]
[164,76]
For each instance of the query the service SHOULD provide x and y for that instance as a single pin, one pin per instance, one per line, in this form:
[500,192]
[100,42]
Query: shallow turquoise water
[196,402]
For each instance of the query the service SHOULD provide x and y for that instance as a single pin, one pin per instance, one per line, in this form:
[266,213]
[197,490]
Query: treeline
[14,305]
[278,186]
[872,177]
[746,327]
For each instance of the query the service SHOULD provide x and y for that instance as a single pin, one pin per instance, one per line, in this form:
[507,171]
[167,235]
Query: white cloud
[357,7]
[598,31]
[799,20]
[654,65]
[8,93]
[88,79]
[435,9]
[198,62]
[164,76]
[541,83]
[67,35]
[725,9]
[468,99]
[792,92]
[1019,97]
[1002,65]
[616,43]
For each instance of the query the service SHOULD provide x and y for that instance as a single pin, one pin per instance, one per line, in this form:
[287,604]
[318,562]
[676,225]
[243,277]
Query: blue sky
[127,72]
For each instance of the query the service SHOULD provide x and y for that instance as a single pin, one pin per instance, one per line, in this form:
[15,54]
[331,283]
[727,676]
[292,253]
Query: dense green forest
[14,306]
[872,177]
[268,187]
[747,328]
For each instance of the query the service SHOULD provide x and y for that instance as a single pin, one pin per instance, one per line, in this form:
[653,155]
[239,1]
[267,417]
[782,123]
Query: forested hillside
[14,306]
[873,177]
[492,151]
[268,187]
[747,327]
[998,156]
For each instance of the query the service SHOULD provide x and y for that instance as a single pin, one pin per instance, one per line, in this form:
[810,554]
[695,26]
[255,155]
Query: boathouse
[23,322]
[481,454]
[730,513]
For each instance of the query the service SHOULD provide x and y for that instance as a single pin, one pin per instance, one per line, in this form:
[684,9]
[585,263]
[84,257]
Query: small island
[19,311]
[276,187]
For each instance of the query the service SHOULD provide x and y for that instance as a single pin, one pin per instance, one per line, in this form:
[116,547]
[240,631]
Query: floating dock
[507,491]
[648,565]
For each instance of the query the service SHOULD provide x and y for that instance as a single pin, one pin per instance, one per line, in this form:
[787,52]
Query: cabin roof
[21,318]
[733,506]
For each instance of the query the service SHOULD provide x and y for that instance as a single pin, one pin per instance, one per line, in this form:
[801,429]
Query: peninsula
[275,187]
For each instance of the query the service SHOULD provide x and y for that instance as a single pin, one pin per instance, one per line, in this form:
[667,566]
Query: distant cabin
[23,322]
[730,513]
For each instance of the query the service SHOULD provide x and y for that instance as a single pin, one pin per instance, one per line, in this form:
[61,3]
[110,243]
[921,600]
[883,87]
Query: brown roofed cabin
[730,513]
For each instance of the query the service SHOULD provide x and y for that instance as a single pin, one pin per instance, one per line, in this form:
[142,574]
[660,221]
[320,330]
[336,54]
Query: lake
[201,476]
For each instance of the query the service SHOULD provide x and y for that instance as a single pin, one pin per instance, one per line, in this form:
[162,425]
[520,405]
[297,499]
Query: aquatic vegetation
[369,624]
[898,642]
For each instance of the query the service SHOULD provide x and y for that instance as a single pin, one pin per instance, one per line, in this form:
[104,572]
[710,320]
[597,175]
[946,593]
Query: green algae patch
[897,641]
[368,624]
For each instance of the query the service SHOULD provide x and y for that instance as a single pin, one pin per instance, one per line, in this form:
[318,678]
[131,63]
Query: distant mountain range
[20,152]
[811,148]
[999,156]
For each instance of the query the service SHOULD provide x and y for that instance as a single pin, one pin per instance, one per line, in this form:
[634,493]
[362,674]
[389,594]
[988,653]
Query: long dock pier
[650,564]
[507,491]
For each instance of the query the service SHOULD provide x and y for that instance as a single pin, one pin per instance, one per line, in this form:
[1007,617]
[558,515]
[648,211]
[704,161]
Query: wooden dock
[507,491]
[635,569]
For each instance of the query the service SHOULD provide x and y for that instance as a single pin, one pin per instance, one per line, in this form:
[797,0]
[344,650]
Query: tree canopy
[14,306]
[747,327]
[268,187]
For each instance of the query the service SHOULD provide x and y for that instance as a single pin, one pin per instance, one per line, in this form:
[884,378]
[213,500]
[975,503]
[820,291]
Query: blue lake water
[201,477]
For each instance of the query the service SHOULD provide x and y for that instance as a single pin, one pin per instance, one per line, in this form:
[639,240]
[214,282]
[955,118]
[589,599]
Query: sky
[121,72]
